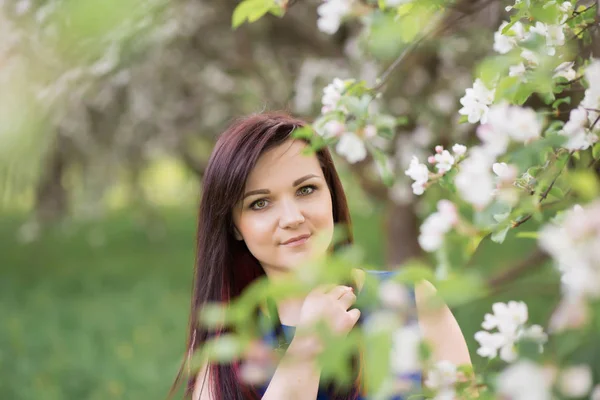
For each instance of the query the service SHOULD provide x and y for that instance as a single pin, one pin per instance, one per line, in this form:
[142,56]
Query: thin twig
[578,13]
[543,195]
[532,262]
[413,45]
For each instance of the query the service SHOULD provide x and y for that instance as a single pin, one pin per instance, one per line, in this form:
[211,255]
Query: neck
[288,309]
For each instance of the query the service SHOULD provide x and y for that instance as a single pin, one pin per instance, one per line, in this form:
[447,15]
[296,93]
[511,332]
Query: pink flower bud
[439,149]
[431,160]
[370,131]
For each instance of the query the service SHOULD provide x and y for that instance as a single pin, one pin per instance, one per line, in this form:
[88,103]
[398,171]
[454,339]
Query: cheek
[321,214]
[256,229]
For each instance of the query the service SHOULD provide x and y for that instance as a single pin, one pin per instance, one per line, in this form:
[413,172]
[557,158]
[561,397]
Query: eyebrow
[295,183]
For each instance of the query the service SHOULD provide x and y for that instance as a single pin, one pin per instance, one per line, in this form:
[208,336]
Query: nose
[291,215]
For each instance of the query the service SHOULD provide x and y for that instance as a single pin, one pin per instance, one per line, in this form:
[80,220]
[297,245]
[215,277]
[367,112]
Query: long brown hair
[224,266]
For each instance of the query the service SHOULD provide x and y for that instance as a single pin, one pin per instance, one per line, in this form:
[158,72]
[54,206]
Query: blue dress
[413,379]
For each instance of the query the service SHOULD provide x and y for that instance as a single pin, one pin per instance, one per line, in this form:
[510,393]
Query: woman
[263,204]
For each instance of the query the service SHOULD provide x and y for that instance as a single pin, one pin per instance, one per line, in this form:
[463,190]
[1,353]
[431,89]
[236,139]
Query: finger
[348,321]
[347,299]
[354,315]
[339,291]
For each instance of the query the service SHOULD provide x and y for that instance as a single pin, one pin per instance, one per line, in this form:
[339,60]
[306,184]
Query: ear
[237,234]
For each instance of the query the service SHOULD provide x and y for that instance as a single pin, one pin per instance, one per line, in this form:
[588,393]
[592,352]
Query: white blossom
[333,129]
[508,122]
[331,13]
[459,150]
[554,34]
[503,43]
[332,94]
[494,143]
[506,173]
[476,102]
[489,343]
[574,244]
[531,57]
[571,313]
[595,393]
[442,378]
[351,147]
[508,8]
[509,319]
[370,131]
[22,7]
[395,3]
[577,132]
[591,100]
[474,181]
[444,161]
[566,7]
[524,381]
[419,173]
[394,295]
[436,225]
[404,357]
[517,70]
[565,70]
[575,381]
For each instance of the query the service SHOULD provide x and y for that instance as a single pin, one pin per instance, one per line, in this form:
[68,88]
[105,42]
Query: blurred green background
[108,111]
[99,310]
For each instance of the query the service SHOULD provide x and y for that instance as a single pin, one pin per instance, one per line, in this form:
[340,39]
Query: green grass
[83,321]
[99,310]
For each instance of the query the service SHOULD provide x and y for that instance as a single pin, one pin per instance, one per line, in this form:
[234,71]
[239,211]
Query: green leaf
[556,192]
[596,151]
[585,184]
[250,10]
[564,100]
[527,235]
[223,348]
[507,28]
[499,236]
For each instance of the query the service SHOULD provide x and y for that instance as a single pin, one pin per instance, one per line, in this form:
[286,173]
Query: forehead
[282,165]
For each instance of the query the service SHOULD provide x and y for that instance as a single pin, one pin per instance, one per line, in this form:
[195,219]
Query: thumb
[354,315]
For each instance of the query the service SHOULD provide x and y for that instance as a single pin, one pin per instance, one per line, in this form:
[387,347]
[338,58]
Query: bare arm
[296,377]
[439,327]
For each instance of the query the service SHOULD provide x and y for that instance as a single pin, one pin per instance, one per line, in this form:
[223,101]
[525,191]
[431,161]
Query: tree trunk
[51,197]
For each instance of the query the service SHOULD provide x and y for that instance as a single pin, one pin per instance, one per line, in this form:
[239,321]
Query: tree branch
[531,263]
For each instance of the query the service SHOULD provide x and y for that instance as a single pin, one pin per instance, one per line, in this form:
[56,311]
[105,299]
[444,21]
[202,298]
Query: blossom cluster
[509,319]
[437,225]
[442,379]
[350,136]
[331,13]
[511,35]
[574,244]
[475,181]
[349,145]
[582,129]
[443,161]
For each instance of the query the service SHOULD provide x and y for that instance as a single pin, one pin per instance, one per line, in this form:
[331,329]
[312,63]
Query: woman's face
[286,204]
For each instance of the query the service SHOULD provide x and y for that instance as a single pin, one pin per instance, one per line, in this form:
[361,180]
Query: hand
[325,304]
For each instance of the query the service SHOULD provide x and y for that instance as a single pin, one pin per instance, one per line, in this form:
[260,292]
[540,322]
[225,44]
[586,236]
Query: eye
[259,204]
[306,190]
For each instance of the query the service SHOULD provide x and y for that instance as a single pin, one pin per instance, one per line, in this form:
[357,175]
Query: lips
[297,240]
